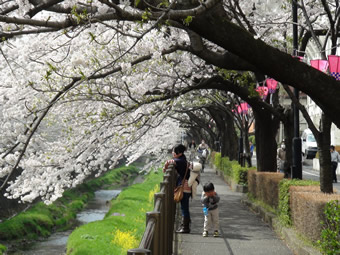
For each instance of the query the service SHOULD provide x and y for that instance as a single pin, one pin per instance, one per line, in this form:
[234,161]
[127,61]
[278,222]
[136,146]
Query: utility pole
[297,166]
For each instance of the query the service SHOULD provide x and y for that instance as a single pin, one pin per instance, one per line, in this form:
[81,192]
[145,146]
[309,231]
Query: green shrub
[212,156]
[2,249]
[240,174]
[226,166]
[330,235]
[218,160]
[77,205]
[284,196]
[231,169]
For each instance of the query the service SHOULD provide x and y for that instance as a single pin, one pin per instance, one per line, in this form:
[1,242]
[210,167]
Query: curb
[289,235]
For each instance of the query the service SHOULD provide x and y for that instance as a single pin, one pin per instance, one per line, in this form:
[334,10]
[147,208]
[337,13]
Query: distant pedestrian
[335,158]
[209,201]
[281,158]
[203,152]
[250,155]
[202,146]
[192,144]
[192,150]
[251,148]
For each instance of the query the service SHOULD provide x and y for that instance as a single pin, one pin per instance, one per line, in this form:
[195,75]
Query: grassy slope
[116,233]
[40,220]
[2,249]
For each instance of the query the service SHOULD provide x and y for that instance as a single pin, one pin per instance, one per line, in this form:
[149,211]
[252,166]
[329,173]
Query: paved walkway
[242,232]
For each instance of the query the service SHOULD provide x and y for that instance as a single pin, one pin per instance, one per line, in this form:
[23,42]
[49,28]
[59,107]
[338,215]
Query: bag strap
[185,175]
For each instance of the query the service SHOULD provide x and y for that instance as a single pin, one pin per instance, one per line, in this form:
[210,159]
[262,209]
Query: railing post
[139,252]
[171,172]
[159,233]
[156,239]
[172,208]
[168,233]
[172,179]
[162,222]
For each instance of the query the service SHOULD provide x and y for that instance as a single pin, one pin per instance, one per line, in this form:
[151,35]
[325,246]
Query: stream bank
[56,243]
[41,220]
[123,226]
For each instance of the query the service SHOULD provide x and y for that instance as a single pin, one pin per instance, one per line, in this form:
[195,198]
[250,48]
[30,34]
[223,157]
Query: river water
[56,243]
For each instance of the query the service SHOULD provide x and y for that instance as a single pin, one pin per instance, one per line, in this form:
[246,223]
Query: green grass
[2,249]
[98,237]
[40,220]
[262,204]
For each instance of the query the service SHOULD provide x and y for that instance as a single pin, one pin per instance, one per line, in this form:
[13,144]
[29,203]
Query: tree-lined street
[103,88]
[86,85]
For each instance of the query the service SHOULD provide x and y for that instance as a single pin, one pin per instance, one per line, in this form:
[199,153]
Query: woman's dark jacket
[181,166]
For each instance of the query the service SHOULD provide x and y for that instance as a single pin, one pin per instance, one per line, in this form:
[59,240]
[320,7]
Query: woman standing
[192,150]
[335,158]
[181,166]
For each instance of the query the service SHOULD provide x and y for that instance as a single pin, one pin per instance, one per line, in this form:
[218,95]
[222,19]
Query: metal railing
[158,234]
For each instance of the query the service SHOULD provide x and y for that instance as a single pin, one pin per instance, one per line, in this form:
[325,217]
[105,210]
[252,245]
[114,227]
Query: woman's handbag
[178,191]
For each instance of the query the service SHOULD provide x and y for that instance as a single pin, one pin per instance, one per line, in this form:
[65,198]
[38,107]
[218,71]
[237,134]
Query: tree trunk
[266,146]
[289,134]
[231,143]
[226,132]
[324,142]
[246,146]
[10,207]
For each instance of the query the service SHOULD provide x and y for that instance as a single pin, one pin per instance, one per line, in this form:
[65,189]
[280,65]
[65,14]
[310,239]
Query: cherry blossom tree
[72,125]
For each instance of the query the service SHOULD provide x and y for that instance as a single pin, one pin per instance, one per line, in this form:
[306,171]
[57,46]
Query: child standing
[209,200]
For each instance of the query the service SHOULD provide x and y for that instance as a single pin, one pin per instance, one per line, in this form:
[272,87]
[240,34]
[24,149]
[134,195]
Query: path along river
[56,243]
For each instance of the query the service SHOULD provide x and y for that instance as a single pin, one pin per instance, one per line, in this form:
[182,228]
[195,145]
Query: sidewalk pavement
[242,232]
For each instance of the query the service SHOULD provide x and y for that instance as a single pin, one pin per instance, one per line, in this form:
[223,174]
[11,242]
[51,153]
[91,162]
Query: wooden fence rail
[158,234]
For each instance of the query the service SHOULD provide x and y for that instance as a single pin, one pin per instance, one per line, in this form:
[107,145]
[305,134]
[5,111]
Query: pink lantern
[334,66]
[239,109]
[244,108]
[263,92]
[319,64]
[271,85]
